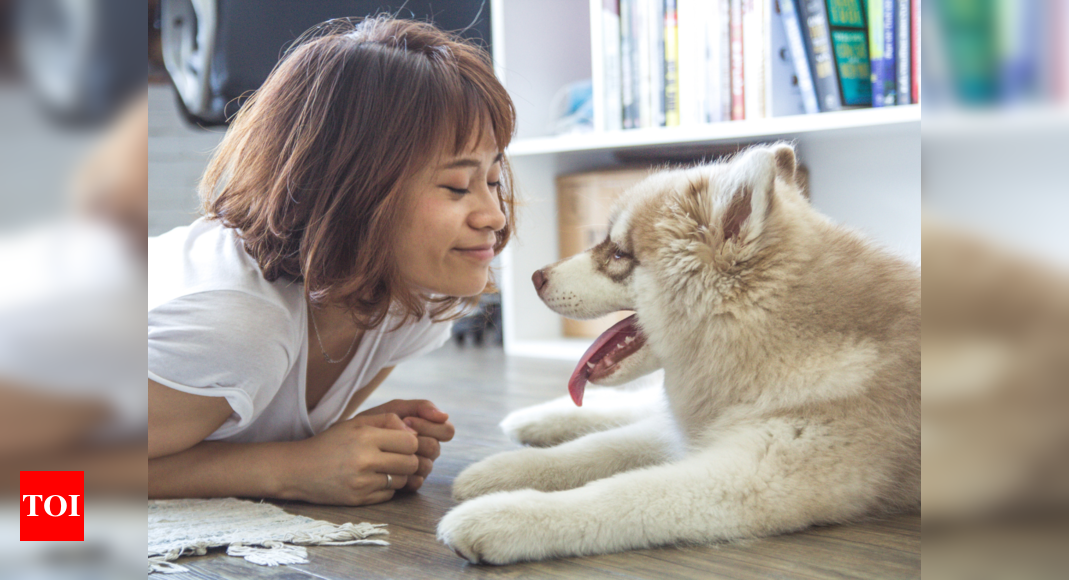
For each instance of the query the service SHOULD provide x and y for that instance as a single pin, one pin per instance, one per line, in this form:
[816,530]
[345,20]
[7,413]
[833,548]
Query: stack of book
[664,63]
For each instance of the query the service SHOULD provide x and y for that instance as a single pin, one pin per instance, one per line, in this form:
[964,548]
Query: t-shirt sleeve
[421,338]
[222,344]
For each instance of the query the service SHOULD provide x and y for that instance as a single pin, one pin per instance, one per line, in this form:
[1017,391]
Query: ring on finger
[389,481]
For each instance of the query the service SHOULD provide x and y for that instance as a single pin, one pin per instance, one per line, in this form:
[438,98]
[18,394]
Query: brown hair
[314,169]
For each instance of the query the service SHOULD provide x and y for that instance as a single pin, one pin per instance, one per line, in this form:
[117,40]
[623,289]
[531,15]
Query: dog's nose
[539,280]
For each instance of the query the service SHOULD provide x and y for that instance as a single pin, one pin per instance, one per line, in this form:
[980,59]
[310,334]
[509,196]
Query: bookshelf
[865,164]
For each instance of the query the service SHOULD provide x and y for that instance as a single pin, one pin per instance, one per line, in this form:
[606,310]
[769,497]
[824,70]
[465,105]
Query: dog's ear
[750,179]
[786,164]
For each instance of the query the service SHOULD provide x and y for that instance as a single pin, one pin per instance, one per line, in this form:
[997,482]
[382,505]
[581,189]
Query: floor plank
[478,387]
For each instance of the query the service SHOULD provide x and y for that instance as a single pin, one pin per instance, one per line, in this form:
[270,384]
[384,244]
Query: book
[691,25]
[655,24]
[783,94]
[915,50]
[628,72]
[610,58]
[640,26]
[738,91]
[718,79]
[792,29]
[849,42]
[882,24]
[754,56]
[671,64]
[903,57]
[817,36]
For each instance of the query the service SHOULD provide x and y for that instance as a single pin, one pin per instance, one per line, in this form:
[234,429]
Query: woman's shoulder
[207,257]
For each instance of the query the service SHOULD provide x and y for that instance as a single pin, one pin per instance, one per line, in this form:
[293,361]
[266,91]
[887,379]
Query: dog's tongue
[602,346]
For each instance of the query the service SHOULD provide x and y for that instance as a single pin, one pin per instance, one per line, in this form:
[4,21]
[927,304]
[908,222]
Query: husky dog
[791,397]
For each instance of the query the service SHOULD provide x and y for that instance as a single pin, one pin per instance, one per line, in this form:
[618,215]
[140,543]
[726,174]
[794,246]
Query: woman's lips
[479,253]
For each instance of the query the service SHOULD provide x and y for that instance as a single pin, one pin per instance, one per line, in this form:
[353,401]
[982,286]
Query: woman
[351,211]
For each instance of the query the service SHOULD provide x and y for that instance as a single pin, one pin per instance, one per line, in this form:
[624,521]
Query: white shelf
[864,164]
[793,126]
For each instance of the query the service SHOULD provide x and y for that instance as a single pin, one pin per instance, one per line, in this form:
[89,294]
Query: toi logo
[51,505]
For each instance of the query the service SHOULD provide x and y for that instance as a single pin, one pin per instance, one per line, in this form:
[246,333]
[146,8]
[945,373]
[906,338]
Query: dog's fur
[791,356]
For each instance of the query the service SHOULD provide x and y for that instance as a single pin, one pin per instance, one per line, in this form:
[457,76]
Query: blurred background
[996,288]
[99,148]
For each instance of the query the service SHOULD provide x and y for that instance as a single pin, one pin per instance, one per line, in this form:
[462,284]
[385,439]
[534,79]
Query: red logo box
[52,506]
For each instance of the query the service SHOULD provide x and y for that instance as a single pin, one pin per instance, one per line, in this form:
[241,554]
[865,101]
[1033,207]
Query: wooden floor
[478,387]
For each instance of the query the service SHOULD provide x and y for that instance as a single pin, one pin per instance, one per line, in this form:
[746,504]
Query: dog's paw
[542,425]
[495,529]
[502,472]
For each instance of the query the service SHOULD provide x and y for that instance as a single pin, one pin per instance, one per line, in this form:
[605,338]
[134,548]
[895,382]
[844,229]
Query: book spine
[723,33]
[792,27]
[655,22]
[610,42]
[821,60]
[850,50]
[881,52]
[753,61]
[902,52]
[671,64]
[772,60]
[644,44]
[915,50]
[784,91]
[738,91]
[712,104]
[688,67]
[627,65]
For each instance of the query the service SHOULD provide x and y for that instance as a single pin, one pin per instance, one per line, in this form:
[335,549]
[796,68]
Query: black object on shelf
[482,326]
[217,51]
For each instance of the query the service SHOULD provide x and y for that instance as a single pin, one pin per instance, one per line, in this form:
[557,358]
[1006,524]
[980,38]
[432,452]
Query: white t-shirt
[217,328]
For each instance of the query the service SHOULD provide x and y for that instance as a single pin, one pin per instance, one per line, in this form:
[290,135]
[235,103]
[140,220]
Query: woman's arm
[178,421]
[346,464]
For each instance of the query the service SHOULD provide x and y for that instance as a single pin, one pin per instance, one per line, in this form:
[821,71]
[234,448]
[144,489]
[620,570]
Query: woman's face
[446,239]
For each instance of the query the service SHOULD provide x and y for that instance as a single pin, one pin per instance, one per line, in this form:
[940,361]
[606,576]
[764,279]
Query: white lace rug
[259,532]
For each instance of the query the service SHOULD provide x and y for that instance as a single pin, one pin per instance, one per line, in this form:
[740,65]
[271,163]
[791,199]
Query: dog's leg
[560,420]
[762,481]
[595,456]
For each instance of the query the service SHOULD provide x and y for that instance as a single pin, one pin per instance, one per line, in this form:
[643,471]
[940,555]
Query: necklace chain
[326,357]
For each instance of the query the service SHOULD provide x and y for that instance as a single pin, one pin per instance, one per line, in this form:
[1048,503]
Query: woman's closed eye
[462,191]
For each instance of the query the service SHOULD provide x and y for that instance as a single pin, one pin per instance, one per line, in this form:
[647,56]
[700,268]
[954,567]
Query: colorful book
[671,64]
[792,29]
[754,56]
[738,91]
[850,41]
[817,36]
[882,24]
[903,57]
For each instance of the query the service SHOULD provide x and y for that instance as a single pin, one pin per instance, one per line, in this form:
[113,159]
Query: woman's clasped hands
[348,463]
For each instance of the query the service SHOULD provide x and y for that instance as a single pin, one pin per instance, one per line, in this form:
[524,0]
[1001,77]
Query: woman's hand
[347,464]
[430,424]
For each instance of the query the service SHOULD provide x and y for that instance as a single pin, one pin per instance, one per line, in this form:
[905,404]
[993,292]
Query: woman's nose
[489,215]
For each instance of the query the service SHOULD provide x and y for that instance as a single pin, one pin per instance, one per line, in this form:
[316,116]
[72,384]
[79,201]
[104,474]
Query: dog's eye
[620,255]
